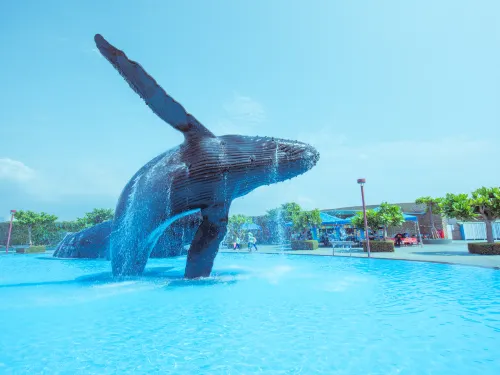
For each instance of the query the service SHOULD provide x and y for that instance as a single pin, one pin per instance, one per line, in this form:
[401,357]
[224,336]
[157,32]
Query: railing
[342,244]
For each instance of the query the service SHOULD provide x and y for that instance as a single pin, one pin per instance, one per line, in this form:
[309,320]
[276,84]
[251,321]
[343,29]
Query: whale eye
[252,159]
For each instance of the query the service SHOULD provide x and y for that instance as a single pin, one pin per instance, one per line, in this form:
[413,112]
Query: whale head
[257,161]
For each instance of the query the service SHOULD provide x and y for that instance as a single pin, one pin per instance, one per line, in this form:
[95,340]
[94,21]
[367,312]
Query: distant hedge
[304,245]
[380,246]
[31,250]
[484,248]
[51,235]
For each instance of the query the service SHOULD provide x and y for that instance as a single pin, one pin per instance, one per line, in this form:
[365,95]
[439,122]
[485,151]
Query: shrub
[31,249]
[305,245]
[484,248]
[380,246]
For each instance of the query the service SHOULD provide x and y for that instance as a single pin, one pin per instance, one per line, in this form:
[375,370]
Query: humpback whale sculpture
[93,242]
[203,174]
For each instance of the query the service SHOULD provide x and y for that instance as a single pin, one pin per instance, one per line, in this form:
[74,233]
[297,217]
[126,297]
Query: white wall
[477,231]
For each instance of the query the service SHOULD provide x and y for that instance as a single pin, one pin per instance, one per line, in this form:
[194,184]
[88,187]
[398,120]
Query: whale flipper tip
[162,104]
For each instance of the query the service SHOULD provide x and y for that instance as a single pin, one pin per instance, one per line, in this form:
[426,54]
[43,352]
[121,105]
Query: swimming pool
[269,314]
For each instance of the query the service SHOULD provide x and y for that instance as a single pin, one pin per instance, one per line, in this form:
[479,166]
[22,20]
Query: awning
[410,218]
[327,219]
[405,216]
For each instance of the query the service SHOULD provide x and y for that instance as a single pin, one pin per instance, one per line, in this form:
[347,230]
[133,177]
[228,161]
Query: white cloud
[88,179]
[242,115]
[13,170]
[244,109]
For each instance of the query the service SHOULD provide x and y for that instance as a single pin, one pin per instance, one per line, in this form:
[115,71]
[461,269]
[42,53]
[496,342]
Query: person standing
[251,242]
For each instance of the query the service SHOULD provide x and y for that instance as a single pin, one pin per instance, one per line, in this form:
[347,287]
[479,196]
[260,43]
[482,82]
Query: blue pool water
[266,314]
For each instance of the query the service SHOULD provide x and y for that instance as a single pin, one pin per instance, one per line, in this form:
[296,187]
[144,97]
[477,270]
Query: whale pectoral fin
[205,245]
[151,92]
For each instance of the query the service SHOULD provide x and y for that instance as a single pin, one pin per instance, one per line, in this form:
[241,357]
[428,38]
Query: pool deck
[455,253]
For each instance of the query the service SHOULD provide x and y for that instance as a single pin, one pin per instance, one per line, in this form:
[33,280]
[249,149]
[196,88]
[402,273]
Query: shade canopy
[405,216]
[410,218]
[327,219]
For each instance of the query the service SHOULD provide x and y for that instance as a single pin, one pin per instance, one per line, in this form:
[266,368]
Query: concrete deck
[455,253]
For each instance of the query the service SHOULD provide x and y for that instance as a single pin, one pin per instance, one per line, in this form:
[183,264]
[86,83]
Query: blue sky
[405,94]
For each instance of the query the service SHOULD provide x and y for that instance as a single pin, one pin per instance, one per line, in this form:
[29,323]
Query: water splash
[280,231]
[279,223]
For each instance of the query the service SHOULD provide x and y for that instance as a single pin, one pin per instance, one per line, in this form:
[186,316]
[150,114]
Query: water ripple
[256,314]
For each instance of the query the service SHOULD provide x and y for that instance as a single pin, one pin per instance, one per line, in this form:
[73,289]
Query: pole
[419,235]
[361,182]
[12,212]
[366,221]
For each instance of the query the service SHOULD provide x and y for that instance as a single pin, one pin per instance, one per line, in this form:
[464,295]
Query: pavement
[454,253]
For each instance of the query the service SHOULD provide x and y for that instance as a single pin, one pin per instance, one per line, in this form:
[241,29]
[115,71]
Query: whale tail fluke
[151,92]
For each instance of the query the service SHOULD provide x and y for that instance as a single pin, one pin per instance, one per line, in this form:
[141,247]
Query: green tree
[34,221]
[372,218]
[483,204]
[284,213]
[234,225]
[290,210]
[96,216]
[273,214]
[276,219]
[304,220]
[70,226]
[433,207]
[389,215]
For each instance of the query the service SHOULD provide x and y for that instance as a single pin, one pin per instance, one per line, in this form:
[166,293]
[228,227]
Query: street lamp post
[12,213]
[361,182]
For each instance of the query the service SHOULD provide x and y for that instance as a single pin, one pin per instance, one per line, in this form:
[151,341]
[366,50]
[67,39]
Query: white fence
[477,231]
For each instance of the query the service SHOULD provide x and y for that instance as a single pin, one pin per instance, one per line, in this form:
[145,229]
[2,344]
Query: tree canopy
[306,219]
[432,204]
[285,213]
[96,216]
[234,225]
[390,215]
[373,220]
[482,204]
[33,220]
[387,215]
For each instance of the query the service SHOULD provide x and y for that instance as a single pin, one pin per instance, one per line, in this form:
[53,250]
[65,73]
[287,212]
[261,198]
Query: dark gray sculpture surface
[203,174]
[92,242]
[180,233]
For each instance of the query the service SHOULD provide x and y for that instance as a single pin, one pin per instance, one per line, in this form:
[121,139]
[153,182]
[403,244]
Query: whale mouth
[312,155]
[295,162]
